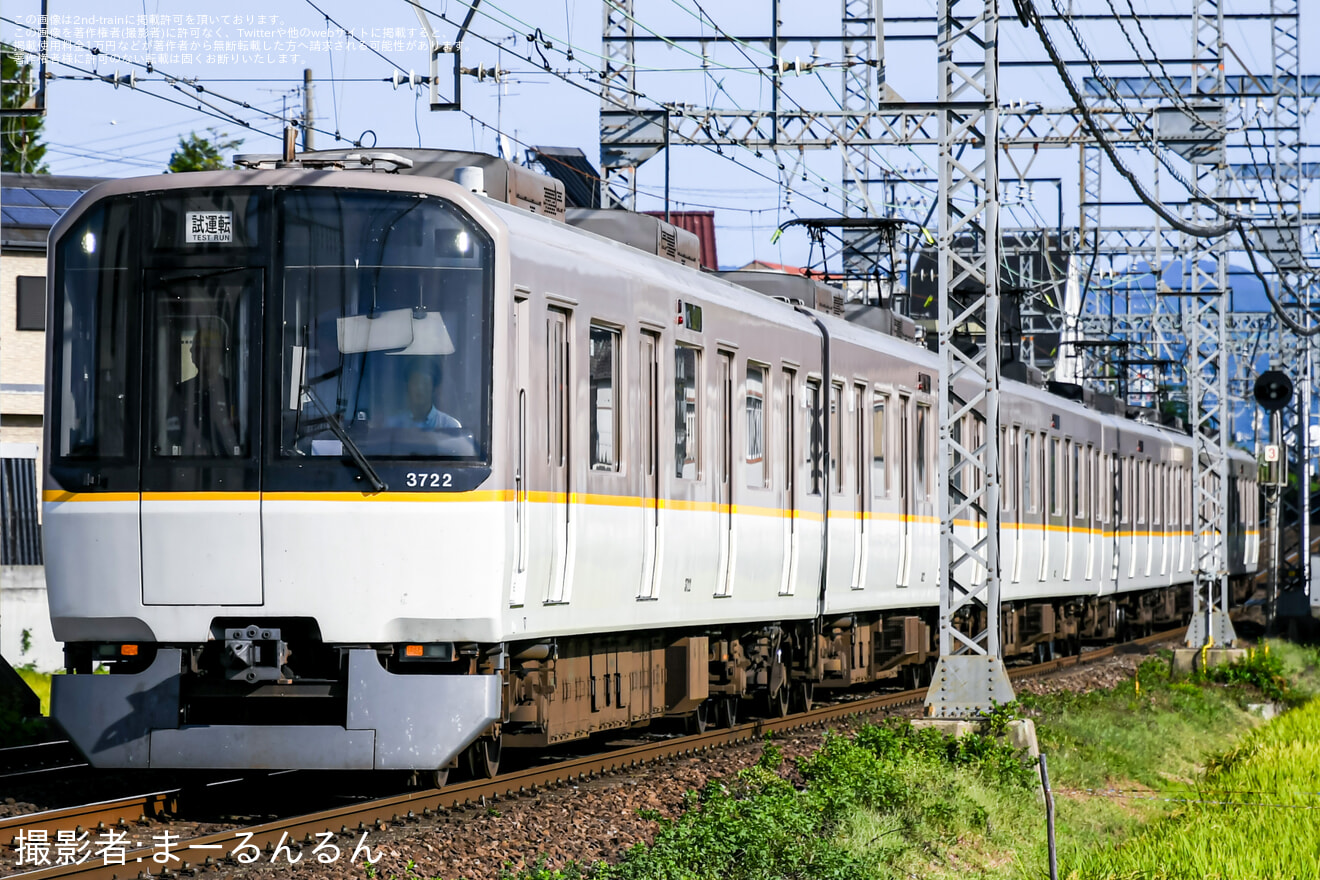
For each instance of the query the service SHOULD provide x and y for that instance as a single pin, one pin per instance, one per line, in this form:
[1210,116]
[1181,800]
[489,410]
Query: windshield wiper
[377,484]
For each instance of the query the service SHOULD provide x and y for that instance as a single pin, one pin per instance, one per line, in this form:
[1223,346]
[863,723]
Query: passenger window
[955,472]
[1028,498]
[1056,464]
[815,444]
[604,396]
[879,475]
[923,411]
[755,403]
[1143,489]
[1078,482]
[1008,458]
[836,438]
[1157,494]
[687,413]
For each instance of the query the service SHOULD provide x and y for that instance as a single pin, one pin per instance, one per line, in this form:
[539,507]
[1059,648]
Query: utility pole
[970,677]
[308,117]
[1204,309]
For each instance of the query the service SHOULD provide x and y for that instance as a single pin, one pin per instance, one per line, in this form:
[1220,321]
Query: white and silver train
[360,470]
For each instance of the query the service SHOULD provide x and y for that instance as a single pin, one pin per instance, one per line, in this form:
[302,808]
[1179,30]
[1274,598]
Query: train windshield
[385,331]
[351,323]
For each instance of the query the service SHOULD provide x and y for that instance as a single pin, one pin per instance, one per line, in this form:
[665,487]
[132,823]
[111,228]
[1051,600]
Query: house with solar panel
[29,206]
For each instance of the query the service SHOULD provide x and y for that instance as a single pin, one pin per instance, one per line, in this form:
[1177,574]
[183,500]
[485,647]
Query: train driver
[420,410]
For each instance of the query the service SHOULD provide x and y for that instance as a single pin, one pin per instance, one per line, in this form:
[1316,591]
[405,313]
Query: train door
[201,505]
[1092,508]
[1137,517]
[649,373]
[861,497]
[558,403]
[521,358]
[1070,502]
[1048,486]
[905,489]
[724,479]
[788,400]
[1010,498]
[1119,511]
[1023,458]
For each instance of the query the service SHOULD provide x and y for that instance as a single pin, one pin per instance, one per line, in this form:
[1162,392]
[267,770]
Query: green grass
[1255,813]
[1118,757]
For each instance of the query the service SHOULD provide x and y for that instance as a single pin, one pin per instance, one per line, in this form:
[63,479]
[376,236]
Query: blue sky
[255,52]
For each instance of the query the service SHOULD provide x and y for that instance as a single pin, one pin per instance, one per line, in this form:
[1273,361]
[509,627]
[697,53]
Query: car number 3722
[418,480]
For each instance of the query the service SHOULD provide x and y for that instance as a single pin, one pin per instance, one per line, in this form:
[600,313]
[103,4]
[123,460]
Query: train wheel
[803,694]
[422,779]
[775,705]
[483,758]
[729,712]
[699,720]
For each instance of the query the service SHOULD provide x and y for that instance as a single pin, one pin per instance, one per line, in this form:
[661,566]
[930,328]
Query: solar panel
[57,198]
[26,216]
[17,196]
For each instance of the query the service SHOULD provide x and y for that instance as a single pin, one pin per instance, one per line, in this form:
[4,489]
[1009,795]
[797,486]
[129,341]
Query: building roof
[31,203]
[763,266]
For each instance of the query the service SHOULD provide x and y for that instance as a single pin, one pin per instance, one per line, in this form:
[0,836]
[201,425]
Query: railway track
[47,757]
[348,823]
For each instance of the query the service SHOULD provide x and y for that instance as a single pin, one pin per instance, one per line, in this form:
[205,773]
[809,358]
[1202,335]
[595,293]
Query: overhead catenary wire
[477,121]
[178,83]
[1156,148]
[1029,14]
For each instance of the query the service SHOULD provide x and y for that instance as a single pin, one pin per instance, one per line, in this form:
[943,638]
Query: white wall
[23,607]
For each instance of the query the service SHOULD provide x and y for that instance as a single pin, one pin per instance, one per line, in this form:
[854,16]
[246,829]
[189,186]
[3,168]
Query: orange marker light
[413,651]
[128,650]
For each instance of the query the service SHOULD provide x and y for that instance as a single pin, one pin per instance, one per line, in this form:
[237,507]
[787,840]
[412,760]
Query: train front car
[255,376]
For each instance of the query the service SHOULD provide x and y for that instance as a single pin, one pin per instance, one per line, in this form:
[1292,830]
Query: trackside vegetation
[1146,777]
[865,804]
[1254,813]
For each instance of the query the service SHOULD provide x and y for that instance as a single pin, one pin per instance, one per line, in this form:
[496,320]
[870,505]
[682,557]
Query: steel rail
[39,758]
[349,823]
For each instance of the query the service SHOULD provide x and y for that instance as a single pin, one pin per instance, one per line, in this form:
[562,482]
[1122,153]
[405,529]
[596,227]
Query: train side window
[879,474]
[836,438]
[1125,504]
[1097,486]
[1142,489]
[955,472]
[1189,493]
[1157,511]
[1108,473]
[1078,482]
[815,440]
[1008,458]
[923,483]
[687,413]
[1028,497]
[755,408]
[604,398]
[1056,507]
